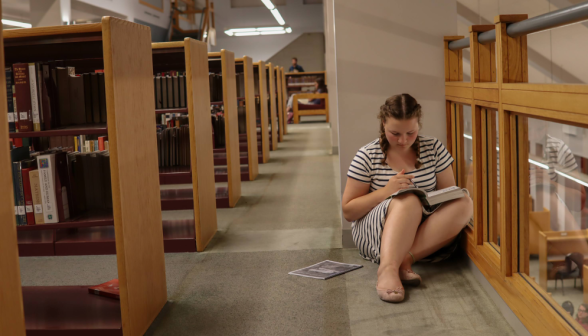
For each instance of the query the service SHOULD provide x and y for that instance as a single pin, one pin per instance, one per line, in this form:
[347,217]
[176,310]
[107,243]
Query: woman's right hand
[399,182]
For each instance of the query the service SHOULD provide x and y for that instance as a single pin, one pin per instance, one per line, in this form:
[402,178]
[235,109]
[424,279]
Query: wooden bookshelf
[251,132]
[259,70]
[279,106]
[293,88]
[224,62]
[192,56]
[271,81]
[284,93]
[123,49]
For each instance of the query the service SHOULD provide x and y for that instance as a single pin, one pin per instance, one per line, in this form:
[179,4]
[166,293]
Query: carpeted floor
[287,219]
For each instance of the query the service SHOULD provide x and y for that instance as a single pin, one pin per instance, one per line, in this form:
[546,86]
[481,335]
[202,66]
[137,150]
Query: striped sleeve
[442,156]
[566,159]
[361,167]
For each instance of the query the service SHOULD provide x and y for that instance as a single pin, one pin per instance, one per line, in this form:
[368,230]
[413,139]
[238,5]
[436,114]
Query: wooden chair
[539,221]
[298,113]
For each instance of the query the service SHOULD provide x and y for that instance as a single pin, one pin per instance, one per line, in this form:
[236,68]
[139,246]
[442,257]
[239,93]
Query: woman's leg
[402,221]
[439,229]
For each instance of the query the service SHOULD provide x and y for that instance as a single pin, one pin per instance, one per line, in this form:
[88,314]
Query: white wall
[302,18]
[384,48]
[309,48]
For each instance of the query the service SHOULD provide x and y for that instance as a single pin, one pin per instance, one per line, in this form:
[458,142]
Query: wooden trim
[265,142]
[493,189]
[489,85]
[136,211]
[555,101]
[449,128]
[486,104]
[273,108]
[562,88]
[478,152]
[214,54]
[522,145]
[459,84]
[580,120]
[252,152]
[201,153]
[152,6]
[231,126]
[54,30]
[486,94]
[168,45]
[461,100]
[461,177]
[280,106]
[11,305]
[306,73]
[460,92]
[486,210]
[454,145]
[285,100]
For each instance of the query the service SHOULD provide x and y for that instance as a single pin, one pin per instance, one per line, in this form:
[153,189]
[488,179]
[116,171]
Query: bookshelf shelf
[174,110]
[122,50]
[84,220]
[78,312]
[183,199]
[192,56]
[297,85]
[65,131]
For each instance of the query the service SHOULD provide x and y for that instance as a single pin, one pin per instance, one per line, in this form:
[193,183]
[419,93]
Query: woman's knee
[464,208]
[407,202]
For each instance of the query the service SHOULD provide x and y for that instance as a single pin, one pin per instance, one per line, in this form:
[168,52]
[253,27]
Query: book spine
[34,98]
[36,193]
[23,96]
[28,195]
[20,200]
[14,193]
[15,113]
[88,97]
[103,293]
[39,72]
[10,101]
[62,186]
[46,164]
[101,143]
[102,92]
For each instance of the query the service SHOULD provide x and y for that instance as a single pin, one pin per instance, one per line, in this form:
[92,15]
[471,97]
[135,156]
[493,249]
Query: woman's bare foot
[388,277]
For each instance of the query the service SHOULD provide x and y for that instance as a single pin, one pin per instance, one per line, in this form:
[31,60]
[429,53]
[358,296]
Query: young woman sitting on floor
[394,232]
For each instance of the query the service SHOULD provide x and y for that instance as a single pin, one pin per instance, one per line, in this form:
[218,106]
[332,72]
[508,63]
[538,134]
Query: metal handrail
[558,18]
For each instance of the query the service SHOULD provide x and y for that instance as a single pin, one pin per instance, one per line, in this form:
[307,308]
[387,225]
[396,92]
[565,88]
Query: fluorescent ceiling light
[247,34]
[273,32]
[16,23]
[229,32]
[278,17]
[269,28]
[288,30]
[238,30]
[268,4]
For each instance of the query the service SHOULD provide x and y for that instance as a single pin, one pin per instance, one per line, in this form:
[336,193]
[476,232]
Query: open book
[431,198]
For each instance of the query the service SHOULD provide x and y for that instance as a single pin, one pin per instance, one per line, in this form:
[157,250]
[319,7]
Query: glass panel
[558,177]
[492,179]
[468,152]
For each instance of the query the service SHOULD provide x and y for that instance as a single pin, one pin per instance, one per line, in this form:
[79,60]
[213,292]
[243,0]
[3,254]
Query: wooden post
[511,68]
[279,107]
[285,100]
[265,142]
[252,150]
[453,73]
[231,126]
[273,108]
[11,305]
[201,157]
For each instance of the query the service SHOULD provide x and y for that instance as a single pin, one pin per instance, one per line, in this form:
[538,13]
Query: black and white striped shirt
[557,152]
[367,165]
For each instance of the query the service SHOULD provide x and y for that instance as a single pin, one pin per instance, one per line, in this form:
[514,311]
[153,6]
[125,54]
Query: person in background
[315,104]
[569,307]
[582,316]
[295,67]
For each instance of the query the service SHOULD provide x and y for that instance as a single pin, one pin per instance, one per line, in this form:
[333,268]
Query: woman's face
[316,86]
[582,312]
[401,134]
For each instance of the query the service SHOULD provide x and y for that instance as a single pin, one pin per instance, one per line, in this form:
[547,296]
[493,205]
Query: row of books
[307,79]
[170,90]
[54,185]
[44,96]
[173,146]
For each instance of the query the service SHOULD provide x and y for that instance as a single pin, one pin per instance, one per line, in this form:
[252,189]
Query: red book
[23,97]
[99,71]
[101,143]
[28,195]
[107,289]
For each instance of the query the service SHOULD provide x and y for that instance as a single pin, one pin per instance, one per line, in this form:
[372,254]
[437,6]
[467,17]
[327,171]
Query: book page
[442,191]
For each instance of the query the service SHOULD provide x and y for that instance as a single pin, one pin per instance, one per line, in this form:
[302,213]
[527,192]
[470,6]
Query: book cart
[279,105]
[284,93]
[122,49]
[264,132]
[248,142]
[190,56]
[271,89]
[223,63]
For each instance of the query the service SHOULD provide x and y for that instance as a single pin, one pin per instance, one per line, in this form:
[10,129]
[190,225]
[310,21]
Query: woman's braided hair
[399,107]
